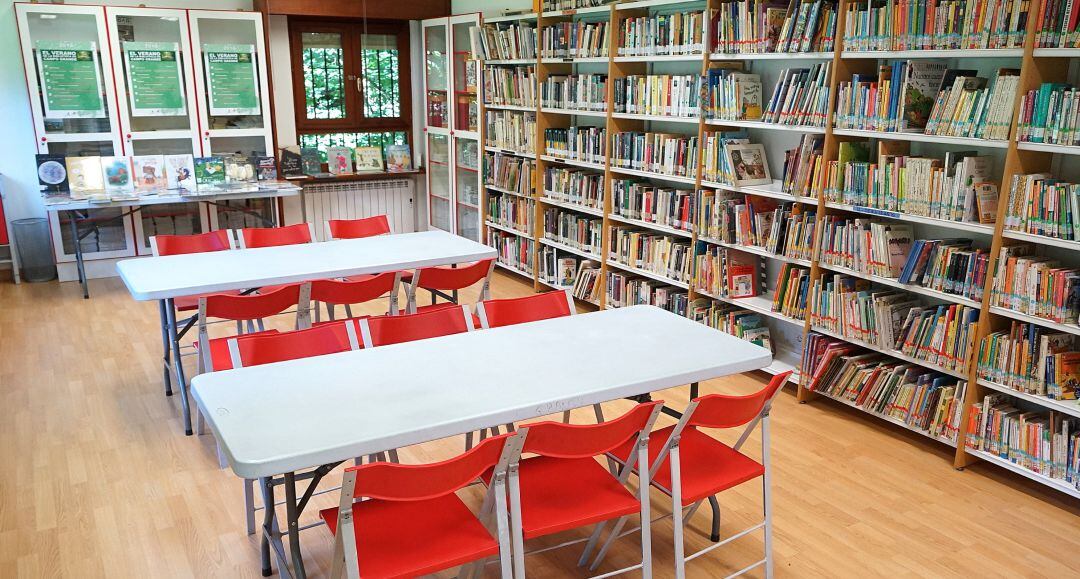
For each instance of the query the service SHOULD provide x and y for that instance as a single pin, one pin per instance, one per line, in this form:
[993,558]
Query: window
[350,82]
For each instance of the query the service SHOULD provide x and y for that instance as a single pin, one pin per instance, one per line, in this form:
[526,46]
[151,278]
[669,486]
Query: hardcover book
[398,158]
[180,172]
[149,172]
[292,164]
[52,174]
[239,171]
[265,168]
[339,160]
[369,159]
[117,174]
[209,174]
[921,84]
[312,164]
[748,164]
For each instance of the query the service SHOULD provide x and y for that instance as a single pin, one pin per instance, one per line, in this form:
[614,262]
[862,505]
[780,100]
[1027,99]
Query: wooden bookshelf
[1036,65]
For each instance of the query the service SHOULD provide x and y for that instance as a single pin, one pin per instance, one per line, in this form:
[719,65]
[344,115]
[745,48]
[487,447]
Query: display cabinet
[451,101]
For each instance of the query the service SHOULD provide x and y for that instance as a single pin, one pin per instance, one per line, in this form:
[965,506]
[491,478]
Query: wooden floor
[98,480]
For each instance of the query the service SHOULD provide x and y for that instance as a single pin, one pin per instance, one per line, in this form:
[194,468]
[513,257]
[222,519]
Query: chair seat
[219,350]
[191,303]
[413,538]
[707,466]
[558,494]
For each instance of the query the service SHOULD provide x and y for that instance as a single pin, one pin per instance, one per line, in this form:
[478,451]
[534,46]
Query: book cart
[122,118]
[517,212]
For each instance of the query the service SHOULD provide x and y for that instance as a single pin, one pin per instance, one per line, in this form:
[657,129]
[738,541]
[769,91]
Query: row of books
[511,211]
[583,92]
[958,188]
[626,289]
[662,34]
[741,323]
[585,188]
[509,172]
[664,153]
[580,143]
[647,202]
[556,268]
[510,86]
[1050,114]
[803,167]
[588,283]
[1041,205]
[764,26]
[783,229]
[732,95]
[935,25]
[725,273]
[927,97]
[511,130]
[889,250]
[1031,359]
[791,293]
[800,97]
[663,255]
[553,5]
[674,95]
[1057,25]
[575,40]
[504,41]
[925,401]
[514,250]
[573,229]
[893,320]
[1035,285]
[1046,443]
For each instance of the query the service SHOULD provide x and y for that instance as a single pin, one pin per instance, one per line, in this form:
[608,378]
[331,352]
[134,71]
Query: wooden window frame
[352,32]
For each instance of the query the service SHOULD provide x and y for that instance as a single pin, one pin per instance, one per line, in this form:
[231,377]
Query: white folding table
[276,419]
[168,277]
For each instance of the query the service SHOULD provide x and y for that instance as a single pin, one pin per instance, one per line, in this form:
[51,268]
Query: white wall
[17,147]
[488,7]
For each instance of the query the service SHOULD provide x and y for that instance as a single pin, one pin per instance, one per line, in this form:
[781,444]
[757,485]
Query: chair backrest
[252,306]
[219,240]
[358,291]
[728,411]
[386,330]
[553,304]
[560,440]
[417,482]
[252,237]
[358,228]
[444,277]
[329,338]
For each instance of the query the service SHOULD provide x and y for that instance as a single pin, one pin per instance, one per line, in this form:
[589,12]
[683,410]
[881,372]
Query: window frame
[352,32]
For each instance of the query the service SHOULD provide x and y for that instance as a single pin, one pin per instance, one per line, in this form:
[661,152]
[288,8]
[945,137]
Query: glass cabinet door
[466,71]
[168,219]
[438,155]
[467,186]
[436,73]
[151,53]
[69,75]
[231,82]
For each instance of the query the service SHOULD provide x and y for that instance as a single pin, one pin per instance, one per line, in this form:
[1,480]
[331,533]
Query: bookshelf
[1007,157]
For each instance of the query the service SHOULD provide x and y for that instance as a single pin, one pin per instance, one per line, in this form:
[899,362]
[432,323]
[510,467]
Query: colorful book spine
[578,143]
[515,251]
[511,211]
[1045,443]
[663,255]
[509,172]
[647,202]
[664,153]
[662,34]
[511,130]
[576,186]
[672,95]
[626,289]
[581,92]
[510,85]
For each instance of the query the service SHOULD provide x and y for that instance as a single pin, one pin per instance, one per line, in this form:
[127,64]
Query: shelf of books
[823,179]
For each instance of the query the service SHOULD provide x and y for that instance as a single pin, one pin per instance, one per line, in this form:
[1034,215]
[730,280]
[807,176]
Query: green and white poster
[154,85]
[230,75]
[70,79]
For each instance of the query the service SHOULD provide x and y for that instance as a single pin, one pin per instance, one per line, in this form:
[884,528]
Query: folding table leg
[293,516]
[267,485]
[170,313]
[79,264]
[165,347]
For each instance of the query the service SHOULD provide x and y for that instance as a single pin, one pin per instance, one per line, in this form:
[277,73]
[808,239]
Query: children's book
[748,164]
[239,171]
[369,159]
[209,174]
[339,160]
[180,172]
[117,174]
[265,168]
[52,175]
[292,162]
[398,158]
[149,172]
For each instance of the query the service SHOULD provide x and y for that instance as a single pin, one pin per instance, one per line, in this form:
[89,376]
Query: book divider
[1048,67]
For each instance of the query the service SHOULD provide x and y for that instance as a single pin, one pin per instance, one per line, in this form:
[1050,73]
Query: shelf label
[70,79]
[153,73]
[873,211]
[230,75]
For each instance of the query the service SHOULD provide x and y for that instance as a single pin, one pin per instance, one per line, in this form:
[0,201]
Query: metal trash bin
[35,249]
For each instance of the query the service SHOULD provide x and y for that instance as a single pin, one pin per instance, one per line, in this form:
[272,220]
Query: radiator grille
[393,198]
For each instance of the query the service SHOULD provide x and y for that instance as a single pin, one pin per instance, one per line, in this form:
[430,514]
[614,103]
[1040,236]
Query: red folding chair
[253,237]
[220,240]
[358,228]
[386,330]
[258,349]
[347,292]
[563,487]
[412,522]
[446,278]
[691,466]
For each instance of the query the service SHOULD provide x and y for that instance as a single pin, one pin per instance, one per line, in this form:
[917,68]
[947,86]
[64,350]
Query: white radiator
[353,200]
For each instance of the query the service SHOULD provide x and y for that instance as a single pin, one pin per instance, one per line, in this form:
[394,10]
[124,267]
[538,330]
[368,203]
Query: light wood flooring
[97,478]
